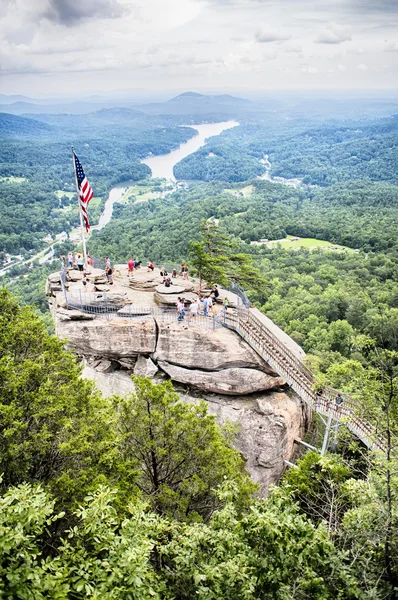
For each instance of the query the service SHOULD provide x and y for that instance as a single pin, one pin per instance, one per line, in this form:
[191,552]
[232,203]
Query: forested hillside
[110,517]
[323,155]
[36,175]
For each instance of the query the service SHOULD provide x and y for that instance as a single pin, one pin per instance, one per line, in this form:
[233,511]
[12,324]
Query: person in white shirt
[194,309]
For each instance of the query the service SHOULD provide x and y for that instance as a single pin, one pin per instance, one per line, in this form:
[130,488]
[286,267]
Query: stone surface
[118,382]
[113,338]
[264,440]
[232,382]
[104,366]
[173,289]
[73,315]
[196,347]
[145,367]
[170,300]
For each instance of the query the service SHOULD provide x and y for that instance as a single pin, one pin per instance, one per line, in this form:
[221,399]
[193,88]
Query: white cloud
[391,47]
[333,34]
[266,35]
[362,67]
[341,68]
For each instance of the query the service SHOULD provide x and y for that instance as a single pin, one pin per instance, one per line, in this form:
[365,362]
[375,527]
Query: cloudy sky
[51,47]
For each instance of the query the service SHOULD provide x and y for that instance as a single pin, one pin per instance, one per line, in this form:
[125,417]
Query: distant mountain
[115,115]
[199,104]
[73,108]
[11,125]
[11,99]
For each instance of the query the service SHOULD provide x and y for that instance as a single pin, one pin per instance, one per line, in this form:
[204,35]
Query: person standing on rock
[70,260]
[108,272]
[80,262]
[174,273]
[181,310]
[205,307]
[194,309]
[130,267]
[185,273]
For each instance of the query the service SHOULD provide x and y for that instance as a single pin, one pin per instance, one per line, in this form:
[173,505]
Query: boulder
[104,366]
[196,347]
[73,315]
[231,382]
[171,299]
[113,338]
[173,289]
[145,367]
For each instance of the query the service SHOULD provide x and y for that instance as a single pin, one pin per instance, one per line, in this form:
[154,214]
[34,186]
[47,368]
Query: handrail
[299,377]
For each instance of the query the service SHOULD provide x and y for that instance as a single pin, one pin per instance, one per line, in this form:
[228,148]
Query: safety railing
[299,377]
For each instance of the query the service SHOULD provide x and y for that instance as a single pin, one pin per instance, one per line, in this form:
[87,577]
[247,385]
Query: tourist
[339,401]
[150,266]
[194,309]
[137,263]
[163,272]
[107,261]
[225,305]
[84,282]
[200,304]
[70,260]
[214,292]
[130,267]
[80,262]
[205,306]
[109,272]
[181,309]
[90,260]
[182,268]
[168,282]
[185,272]
[174,273]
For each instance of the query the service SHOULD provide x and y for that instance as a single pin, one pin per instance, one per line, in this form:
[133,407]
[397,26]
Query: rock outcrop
[140,335]
[110,338]
[232,382]
[196,347]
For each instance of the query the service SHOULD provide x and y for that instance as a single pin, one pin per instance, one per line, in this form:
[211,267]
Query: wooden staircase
[299,377]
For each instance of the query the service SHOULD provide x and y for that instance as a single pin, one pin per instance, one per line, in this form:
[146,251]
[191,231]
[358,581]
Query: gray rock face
[111,338]
[200,348]
[264,440]
[144,367]
[232,382]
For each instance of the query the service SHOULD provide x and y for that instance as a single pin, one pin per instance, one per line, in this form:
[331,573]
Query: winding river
[163,164]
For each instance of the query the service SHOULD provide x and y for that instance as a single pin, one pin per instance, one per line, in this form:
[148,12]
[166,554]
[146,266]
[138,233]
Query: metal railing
[100,304]
[300,378]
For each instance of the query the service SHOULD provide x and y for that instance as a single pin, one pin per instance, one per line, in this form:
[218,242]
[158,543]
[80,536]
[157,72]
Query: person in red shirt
[130,266]
[151,266]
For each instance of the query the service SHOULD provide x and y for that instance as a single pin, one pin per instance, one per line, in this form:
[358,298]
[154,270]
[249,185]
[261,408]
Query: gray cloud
[71,12]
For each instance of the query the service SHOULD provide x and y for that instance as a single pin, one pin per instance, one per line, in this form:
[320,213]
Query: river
[163,164]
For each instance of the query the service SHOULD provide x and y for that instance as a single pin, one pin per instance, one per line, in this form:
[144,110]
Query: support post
[327,433]
[80,211]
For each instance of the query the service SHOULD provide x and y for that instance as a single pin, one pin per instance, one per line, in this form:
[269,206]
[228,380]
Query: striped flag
[85,190]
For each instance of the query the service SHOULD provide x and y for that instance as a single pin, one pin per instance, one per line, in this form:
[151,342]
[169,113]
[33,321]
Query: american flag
[85,190]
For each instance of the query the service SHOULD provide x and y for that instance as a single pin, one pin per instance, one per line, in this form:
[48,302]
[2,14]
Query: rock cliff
[204,359]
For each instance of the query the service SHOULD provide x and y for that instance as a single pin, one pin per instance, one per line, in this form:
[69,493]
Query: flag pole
[80,210]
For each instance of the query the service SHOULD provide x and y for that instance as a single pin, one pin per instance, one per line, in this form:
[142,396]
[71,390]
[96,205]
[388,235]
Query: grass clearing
[61,193]
[12,179]
[293,242]
[245,191]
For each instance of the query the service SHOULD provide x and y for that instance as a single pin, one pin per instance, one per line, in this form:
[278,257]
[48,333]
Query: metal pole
[80,211]
[326,436]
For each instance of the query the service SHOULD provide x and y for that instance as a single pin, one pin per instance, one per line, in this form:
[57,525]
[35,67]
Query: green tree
[54,427]
[216,259]
[176,453]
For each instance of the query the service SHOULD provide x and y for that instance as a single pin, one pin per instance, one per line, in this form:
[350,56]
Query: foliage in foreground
[272,552]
